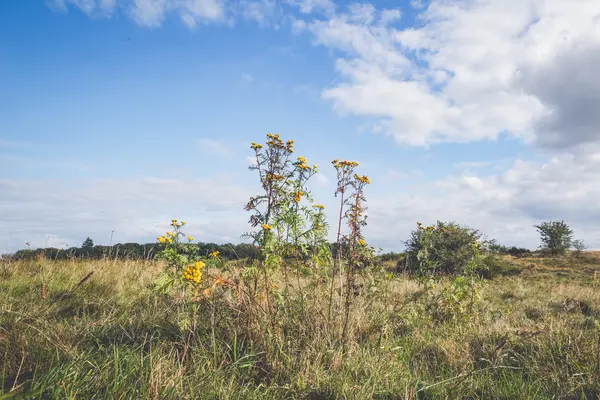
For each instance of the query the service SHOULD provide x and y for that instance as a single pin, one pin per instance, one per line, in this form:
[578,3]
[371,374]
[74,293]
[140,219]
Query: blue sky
[119,114]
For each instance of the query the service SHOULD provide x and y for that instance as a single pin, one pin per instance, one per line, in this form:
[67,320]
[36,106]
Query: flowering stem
[337,260]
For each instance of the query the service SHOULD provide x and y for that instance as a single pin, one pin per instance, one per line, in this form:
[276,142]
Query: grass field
[533,334]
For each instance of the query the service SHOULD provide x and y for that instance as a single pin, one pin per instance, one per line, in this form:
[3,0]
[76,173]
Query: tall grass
[113,337]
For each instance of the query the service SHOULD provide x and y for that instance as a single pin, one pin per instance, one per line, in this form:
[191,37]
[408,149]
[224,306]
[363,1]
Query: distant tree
[556,236]
[579,246]
[87,244]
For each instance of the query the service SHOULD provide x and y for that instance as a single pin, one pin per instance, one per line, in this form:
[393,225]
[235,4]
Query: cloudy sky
[118,115]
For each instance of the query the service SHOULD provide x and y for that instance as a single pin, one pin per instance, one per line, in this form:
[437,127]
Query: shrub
[451,247]
[579,246]
[518,252]
[556,236]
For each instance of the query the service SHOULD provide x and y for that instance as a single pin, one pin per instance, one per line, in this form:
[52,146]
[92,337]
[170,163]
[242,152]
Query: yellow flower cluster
[190,238]
[193,273]
[363,179]
[344,164]
[276,142]
[360,242]
[255,146]
[428,228]
[214,254]
[266,227]
[169,236]
[274,177]
[319,206]
[298,196]
[176,224]
[303,164]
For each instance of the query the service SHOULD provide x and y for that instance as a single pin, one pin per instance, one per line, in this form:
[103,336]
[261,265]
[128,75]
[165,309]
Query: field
[531,334]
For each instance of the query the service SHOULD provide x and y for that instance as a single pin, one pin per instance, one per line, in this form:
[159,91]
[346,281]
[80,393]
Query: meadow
[455,316]
[531,335]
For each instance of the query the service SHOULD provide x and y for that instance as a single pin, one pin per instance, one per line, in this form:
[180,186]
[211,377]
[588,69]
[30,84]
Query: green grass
[531,335]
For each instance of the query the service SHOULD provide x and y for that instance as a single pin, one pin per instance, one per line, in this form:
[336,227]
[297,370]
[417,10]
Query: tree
[556,236]
[579,247]
[87,244]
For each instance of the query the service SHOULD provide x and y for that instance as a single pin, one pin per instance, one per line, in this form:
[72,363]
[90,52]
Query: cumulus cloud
[470,70]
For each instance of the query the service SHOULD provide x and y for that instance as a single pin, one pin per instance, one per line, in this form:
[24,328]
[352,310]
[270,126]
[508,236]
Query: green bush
[450,247]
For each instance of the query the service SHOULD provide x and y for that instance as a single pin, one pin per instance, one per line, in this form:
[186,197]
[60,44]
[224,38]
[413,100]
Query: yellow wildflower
[360,242]
[301,160]
[363,179]
[183,222]
[190,238]
[255,146]
[169,240]
[214,254]
[319,206]
[298,196]
[161,239]
[173,222]
[193,273]
[266,227]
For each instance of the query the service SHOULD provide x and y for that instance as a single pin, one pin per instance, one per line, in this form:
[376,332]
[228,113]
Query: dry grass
[532,335]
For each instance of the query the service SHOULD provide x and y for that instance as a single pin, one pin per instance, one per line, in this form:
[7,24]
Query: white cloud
[389,16]
[321,179]
[261,11]
[471,70]
[251,160]
[13,144]
[310,6]
[149,12]
[137,209]
[248,77]
[505,206]
[103,8]
[215,147]
[152,12]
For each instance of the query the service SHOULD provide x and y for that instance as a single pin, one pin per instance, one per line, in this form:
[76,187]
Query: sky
[117,116]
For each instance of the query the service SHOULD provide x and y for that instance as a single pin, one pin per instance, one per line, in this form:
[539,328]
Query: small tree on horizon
[87,243]
[556,236]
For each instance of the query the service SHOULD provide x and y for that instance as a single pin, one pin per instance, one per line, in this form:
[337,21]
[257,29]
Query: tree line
[132,251]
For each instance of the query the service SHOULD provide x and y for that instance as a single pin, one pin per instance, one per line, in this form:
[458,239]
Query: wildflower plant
[345,172]
[183,269]
[287,226]
[358,252]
